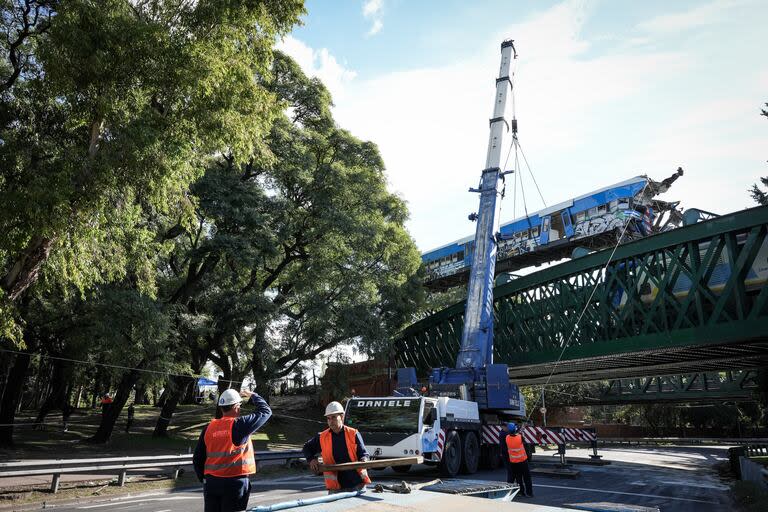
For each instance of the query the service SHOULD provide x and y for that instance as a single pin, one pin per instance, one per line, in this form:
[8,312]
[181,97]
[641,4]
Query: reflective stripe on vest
[326,448]
[515,449]
[222,457]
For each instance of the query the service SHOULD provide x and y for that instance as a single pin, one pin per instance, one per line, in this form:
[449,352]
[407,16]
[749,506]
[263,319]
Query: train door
[545,225]
[567,223]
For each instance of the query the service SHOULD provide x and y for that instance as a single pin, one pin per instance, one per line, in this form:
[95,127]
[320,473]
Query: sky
[604,91]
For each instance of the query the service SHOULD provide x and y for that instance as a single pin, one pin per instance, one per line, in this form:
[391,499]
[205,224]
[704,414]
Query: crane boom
[477,338]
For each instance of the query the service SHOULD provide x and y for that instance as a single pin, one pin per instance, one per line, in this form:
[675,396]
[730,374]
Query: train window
[602,209]
[580,217]
[461,255]
[613,205]
[536,231]
[592,212]
[623,204]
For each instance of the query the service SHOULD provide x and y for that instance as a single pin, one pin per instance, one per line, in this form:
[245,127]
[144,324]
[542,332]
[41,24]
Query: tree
[294,250]
[127,330]
[758,195]
[107,110]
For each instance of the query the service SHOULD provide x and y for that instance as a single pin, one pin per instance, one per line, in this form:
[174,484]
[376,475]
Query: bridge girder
[729,385]
[683,301]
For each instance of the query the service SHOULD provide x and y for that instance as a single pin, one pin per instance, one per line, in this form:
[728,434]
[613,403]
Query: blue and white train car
[592,221]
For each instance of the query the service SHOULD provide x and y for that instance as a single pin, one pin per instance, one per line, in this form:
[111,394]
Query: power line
[106,365]
[586,305]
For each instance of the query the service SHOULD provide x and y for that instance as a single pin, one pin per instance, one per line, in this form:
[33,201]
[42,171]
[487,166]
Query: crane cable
[586,305]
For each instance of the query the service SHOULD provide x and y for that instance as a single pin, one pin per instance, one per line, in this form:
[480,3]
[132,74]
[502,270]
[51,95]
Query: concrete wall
[754,472]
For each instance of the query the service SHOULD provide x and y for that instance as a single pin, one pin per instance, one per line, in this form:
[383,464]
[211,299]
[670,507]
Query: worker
[106,404]
[338,444]
[516,460]
[224,454]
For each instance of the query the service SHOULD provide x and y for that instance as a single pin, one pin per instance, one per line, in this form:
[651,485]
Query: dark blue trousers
[520,473]
[226,494]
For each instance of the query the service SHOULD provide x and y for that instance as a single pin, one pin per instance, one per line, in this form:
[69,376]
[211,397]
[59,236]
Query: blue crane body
[475,376]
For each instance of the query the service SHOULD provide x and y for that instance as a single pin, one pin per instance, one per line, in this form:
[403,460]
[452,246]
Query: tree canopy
[181,196]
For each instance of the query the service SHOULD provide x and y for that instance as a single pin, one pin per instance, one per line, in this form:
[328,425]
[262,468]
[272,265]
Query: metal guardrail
[121,465]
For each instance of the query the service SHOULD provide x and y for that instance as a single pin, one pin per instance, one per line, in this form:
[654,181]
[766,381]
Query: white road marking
[625,493]
[165,510]
[112,504]
[686,483]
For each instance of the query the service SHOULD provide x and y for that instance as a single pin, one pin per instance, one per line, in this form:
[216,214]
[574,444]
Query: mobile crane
[457,425]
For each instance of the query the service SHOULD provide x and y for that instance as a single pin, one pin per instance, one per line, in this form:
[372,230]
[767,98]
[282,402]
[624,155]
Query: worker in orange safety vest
[224,457]
[338,444]
[516,460]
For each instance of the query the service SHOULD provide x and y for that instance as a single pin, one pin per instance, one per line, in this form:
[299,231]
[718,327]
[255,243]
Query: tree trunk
[160,402]
[110,415]
[56,398]
[27,266]
[12,397]
[141,397]
[190,395]
[174,391]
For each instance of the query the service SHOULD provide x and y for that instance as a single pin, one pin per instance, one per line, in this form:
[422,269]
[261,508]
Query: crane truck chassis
[446,432]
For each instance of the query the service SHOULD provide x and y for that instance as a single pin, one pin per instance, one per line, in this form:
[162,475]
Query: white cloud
[708,14]
[319,63]
[432,124]
[373,10]
[588,117]
[376,27]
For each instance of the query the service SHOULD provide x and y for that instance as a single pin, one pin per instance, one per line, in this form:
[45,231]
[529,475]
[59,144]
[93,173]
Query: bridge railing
[119,465]
[702,285]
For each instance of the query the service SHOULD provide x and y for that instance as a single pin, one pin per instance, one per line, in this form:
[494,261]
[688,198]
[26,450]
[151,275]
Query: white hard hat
[333,408]
[229,397]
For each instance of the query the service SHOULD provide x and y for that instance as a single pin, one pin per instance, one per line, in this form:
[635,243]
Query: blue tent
[202,382]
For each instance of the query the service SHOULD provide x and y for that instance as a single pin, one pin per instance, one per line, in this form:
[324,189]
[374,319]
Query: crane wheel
[452,454]
[471,454]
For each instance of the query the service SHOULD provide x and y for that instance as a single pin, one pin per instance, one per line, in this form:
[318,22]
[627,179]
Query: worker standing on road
[338,444]
[516,460]
[224,454]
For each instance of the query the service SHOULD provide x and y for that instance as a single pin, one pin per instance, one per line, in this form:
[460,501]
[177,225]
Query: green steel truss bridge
[688,301]
[728,385]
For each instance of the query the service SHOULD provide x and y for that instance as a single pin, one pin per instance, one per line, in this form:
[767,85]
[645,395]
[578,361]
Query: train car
[591,221]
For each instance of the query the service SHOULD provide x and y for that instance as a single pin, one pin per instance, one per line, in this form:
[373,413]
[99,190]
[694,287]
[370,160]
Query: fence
[121,465]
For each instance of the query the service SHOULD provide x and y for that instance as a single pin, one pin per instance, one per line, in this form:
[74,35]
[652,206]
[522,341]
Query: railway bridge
[693,300]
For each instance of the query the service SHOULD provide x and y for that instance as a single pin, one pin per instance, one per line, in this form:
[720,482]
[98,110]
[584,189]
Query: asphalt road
[676,479]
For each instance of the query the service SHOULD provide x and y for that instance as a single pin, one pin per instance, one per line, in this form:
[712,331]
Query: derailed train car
[592,221]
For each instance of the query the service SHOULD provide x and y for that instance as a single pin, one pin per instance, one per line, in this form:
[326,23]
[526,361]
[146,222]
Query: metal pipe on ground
[309,501]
